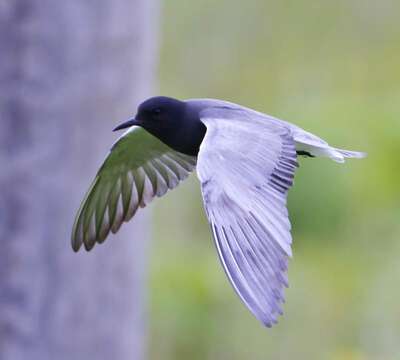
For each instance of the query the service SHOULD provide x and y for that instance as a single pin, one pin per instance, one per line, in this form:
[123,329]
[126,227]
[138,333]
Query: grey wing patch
[126,182]
[255,266]
[249,219]
[281,178]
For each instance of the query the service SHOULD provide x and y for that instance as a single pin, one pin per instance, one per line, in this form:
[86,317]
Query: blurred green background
[333,68]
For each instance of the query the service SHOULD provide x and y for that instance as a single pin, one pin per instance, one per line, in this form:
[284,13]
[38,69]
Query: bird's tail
[339,155]
[316,147]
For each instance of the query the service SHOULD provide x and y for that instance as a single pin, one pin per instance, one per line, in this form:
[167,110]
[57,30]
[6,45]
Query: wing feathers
[246,169]
[252,270]
[134,199]
[232,269]
[175,166]
[113,201]
[138,168]
[104,228]
[119,215]
[169,176]
[126,191]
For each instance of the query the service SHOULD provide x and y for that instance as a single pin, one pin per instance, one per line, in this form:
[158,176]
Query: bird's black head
[171,121]
[160,112]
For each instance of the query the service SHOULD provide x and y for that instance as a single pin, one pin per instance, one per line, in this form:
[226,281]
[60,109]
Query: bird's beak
[127,124]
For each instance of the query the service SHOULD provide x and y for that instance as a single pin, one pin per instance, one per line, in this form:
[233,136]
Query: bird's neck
[189,135]
[184,136]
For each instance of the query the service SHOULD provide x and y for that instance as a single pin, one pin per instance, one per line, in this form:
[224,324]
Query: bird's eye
[156,111]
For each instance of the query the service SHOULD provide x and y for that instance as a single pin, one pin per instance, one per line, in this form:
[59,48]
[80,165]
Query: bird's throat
[186,139]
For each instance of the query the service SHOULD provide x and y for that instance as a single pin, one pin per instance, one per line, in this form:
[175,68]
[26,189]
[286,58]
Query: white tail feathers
[351,154]
[317,147]
[338,155]
[324,150]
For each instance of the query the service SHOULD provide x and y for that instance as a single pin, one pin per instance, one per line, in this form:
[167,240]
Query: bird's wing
[138,168]
[246,167]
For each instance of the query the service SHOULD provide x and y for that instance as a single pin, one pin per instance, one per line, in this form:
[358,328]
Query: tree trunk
[69,72]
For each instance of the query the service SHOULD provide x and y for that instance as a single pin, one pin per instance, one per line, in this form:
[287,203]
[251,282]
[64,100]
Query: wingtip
[75,244]
[75,249]
[269,322]
[89,245]
[76,236]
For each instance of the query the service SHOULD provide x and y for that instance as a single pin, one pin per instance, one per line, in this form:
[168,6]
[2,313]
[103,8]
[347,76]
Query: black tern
[245,161]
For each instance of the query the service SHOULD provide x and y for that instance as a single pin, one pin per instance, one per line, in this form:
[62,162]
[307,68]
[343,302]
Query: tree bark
[69,71]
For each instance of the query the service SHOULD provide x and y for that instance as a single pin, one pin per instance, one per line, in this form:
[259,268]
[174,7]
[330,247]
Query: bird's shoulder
[221,109]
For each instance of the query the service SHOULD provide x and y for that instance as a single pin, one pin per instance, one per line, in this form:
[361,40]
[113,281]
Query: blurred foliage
[332,67]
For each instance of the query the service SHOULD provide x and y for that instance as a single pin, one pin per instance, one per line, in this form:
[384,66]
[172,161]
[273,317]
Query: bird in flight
[245,161]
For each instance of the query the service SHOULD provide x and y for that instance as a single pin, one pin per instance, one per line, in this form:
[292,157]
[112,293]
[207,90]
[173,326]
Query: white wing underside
[246,168]
[138,168]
